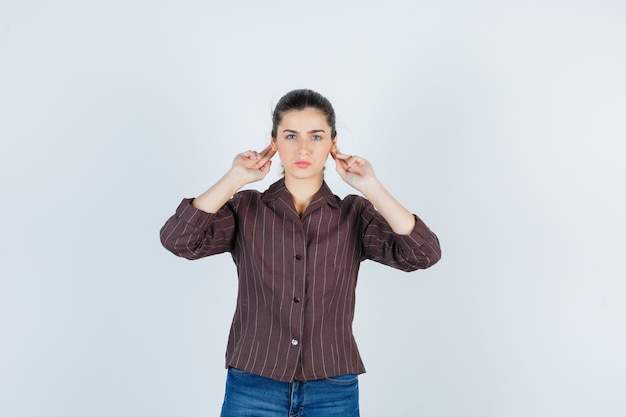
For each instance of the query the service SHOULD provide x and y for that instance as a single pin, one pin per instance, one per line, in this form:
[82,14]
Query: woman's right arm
[249,166]
[204,226]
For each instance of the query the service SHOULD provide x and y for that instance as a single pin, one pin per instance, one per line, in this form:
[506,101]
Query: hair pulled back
[300,100]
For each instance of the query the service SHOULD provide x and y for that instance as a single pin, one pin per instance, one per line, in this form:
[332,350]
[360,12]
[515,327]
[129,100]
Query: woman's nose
[303,146]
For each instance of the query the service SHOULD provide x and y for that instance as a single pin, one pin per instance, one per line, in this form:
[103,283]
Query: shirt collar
[279,191]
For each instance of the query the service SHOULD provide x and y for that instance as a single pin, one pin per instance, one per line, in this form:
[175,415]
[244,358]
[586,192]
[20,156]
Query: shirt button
[299,257]
[296,299]
[294,342]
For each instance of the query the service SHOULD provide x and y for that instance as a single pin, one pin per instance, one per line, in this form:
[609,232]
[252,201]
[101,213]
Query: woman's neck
[302,191]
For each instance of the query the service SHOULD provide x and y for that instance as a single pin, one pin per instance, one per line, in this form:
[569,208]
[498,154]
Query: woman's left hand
[354,170]
[358,173]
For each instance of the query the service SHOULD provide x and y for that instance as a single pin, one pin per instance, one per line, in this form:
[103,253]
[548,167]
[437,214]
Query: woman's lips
[302,164]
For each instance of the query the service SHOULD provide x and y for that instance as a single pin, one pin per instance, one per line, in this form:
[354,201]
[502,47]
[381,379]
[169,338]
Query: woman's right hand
[248,166]
[253,166]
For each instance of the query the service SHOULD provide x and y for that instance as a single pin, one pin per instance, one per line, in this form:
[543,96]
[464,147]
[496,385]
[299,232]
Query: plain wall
[500,123]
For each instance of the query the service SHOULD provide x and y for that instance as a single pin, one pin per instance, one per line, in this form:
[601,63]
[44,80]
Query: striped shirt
[297,274]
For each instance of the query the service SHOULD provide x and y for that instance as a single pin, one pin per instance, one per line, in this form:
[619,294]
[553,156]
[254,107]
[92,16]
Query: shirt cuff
[192,216]
[420,234]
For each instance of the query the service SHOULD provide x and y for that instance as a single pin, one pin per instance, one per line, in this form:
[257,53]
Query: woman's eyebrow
[310,131]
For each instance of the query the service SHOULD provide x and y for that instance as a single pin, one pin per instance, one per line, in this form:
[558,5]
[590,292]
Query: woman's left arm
[358,173]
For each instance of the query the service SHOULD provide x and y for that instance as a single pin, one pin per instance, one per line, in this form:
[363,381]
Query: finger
[269,152]
[340,166]
[340,155]
[266,167]
[247,155]
[348,159]
[266,155]
[267,149]
[355,163]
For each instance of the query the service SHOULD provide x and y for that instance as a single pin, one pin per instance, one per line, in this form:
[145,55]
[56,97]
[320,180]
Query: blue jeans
[249,395]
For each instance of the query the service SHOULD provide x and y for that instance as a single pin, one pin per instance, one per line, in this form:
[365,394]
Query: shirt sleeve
[192,233]
[419,249]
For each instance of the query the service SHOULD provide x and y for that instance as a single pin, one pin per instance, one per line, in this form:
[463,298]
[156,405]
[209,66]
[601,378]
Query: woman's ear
[273,144]
[334,147]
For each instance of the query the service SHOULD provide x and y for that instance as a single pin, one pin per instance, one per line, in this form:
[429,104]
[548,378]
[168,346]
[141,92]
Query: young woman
[297,248]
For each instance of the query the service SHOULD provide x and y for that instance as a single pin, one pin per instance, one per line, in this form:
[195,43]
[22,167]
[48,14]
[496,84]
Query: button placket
[299,273]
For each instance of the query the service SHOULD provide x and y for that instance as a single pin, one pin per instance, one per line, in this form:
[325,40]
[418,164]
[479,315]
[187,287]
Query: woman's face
[303,142]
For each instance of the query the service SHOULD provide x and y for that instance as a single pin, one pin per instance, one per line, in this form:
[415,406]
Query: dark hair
[300,100]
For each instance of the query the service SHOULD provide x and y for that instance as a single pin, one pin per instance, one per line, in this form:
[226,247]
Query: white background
[500,123]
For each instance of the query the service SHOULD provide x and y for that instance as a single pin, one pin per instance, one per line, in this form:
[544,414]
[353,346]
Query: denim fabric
[249,395]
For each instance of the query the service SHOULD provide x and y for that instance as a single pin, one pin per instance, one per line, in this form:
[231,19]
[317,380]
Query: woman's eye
[291,136]
[317,137]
